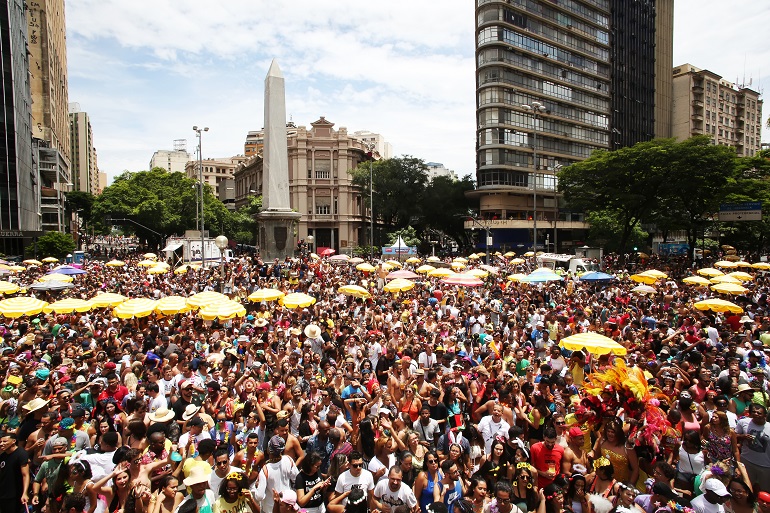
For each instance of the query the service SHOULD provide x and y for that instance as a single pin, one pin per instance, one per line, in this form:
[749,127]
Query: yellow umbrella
[517,277]
[762,266]
[394,263]
[643,278]
[463,260]
[68,305]
[23,305]
[440,273]
[6,287]
[209,297]
[222,311]
[50,260]
[366,267]
[115,263]
[151,256]
[726,264]
[265,295]
[354,290]
[697,280]
[314,256]
[136,307]
[181,269]
[356,260]
[386,266]
[457,265]
[509,254]
[480,254]
[529,254]
[297,300]
[729,288]
[718,305]
[171,305]
[433,259]
[726,279]
[517,261]
[655,274]
[32,261]
[164,265]
[424,269]
[491,269]
[17,268]
[398,285]
[644,289]
[157,270]
[56,277]
[710,272]
[146,263]
[593,343]
[479,273]
[741,275]
[106,299]
[742,263]
[412,260]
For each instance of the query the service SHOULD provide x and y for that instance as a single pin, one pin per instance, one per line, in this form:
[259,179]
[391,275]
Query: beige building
[705,103]
[381,146]
[102,182]
[173,161]
[320,186]
[83,164]
[214,170]
[50,115]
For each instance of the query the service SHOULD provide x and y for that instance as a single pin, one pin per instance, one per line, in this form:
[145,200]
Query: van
[567,263]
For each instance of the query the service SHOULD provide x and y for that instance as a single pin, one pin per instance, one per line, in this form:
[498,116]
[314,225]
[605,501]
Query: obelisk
[276,219]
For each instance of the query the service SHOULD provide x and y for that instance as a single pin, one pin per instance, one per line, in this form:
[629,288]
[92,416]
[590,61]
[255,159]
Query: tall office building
[173,161]
[83,166]
[19,179]
[706,103]
[556,81]
[50,114]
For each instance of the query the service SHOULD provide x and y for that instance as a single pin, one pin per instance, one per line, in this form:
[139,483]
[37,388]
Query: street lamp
[370,151]
[556,169]
[537,109]
[221,242]
[198,131]
[309,240]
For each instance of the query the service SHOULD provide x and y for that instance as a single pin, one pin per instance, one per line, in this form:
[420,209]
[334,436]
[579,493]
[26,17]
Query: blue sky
[147,71]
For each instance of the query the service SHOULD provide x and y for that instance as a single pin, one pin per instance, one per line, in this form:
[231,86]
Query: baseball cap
[716,486]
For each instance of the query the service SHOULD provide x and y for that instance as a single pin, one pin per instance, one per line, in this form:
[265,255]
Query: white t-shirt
[347,482]
[404,495]
[375,465]
[489,429]
[275,476]
[215,481]
[427,361]
[701,505]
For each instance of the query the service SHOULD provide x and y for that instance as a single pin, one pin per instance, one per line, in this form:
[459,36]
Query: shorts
[759,475]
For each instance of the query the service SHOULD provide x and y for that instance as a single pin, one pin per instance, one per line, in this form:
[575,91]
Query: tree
[55,244]
[82,202]
[752,183]
[408,235]
[445,208]
[399,186]
[622,185]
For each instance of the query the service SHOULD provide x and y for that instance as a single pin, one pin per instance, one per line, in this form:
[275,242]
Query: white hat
[190,412]
[198,475]
[715,485]
[312,331]
[162,414]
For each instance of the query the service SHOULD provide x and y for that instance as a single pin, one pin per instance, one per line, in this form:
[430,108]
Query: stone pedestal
[276,233]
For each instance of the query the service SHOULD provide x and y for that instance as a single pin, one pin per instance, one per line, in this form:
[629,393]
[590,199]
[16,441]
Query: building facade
[554,83]
[20,200]
[707,104]
[215,171]
[438,169]
[50,113]
[320,185]
[381,146]
[83,163]
[173,161]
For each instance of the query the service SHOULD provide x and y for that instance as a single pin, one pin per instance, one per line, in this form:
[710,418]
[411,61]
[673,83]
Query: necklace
[73,440]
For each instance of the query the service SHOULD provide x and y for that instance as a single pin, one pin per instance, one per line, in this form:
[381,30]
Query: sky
[147,71]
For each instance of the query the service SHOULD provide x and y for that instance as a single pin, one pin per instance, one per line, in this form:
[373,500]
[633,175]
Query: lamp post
[537,109]
[221,243]
[198,131]
[556,169]
[370,152]
[309,240]
[487,234]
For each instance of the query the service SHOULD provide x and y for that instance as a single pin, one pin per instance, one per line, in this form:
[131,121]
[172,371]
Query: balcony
[697,117]
[697,104]
[697,88]
[48,192]
[696,130]
[502,224]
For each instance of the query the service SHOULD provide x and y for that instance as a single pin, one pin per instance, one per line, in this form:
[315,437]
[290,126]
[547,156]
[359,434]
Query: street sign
[751,211]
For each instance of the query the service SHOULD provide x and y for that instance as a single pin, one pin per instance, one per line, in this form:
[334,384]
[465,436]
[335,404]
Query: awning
[173,246]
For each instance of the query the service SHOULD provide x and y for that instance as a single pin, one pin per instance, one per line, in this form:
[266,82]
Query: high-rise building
[83,164]
[381,146]
[102,182]
[705,103]
[173,161]
[320,185]
[215,171]
[19,177]
[556,81]
[50,116]
[438,169]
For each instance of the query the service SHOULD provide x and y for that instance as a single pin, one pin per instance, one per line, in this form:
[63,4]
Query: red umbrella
[401,273]
[327,252]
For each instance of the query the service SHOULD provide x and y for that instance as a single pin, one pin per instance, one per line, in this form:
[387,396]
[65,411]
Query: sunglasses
[356,465]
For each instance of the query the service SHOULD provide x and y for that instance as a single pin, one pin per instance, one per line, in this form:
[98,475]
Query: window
[323,168]
[323,206]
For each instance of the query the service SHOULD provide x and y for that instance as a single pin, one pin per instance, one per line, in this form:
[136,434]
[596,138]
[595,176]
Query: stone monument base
[276,233]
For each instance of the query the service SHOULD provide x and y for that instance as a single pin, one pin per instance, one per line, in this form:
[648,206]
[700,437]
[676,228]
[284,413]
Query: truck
[565,262]
[187,249]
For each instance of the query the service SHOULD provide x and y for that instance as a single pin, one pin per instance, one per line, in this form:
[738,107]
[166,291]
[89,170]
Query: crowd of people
[439,399]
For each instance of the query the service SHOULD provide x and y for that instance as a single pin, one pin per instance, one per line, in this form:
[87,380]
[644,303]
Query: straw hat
[35,404]
[312,331]
[190,411]
[162,414]
[197,475]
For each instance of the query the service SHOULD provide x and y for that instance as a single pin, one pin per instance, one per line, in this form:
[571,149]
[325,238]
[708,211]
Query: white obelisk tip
[275,70]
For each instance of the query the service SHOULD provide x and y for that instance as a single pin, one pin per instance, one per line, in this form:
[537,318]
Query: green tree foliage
[81,201]
[751,183]
[403,196]
[55,244]
[408,235]
[604,230]
[167,203]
